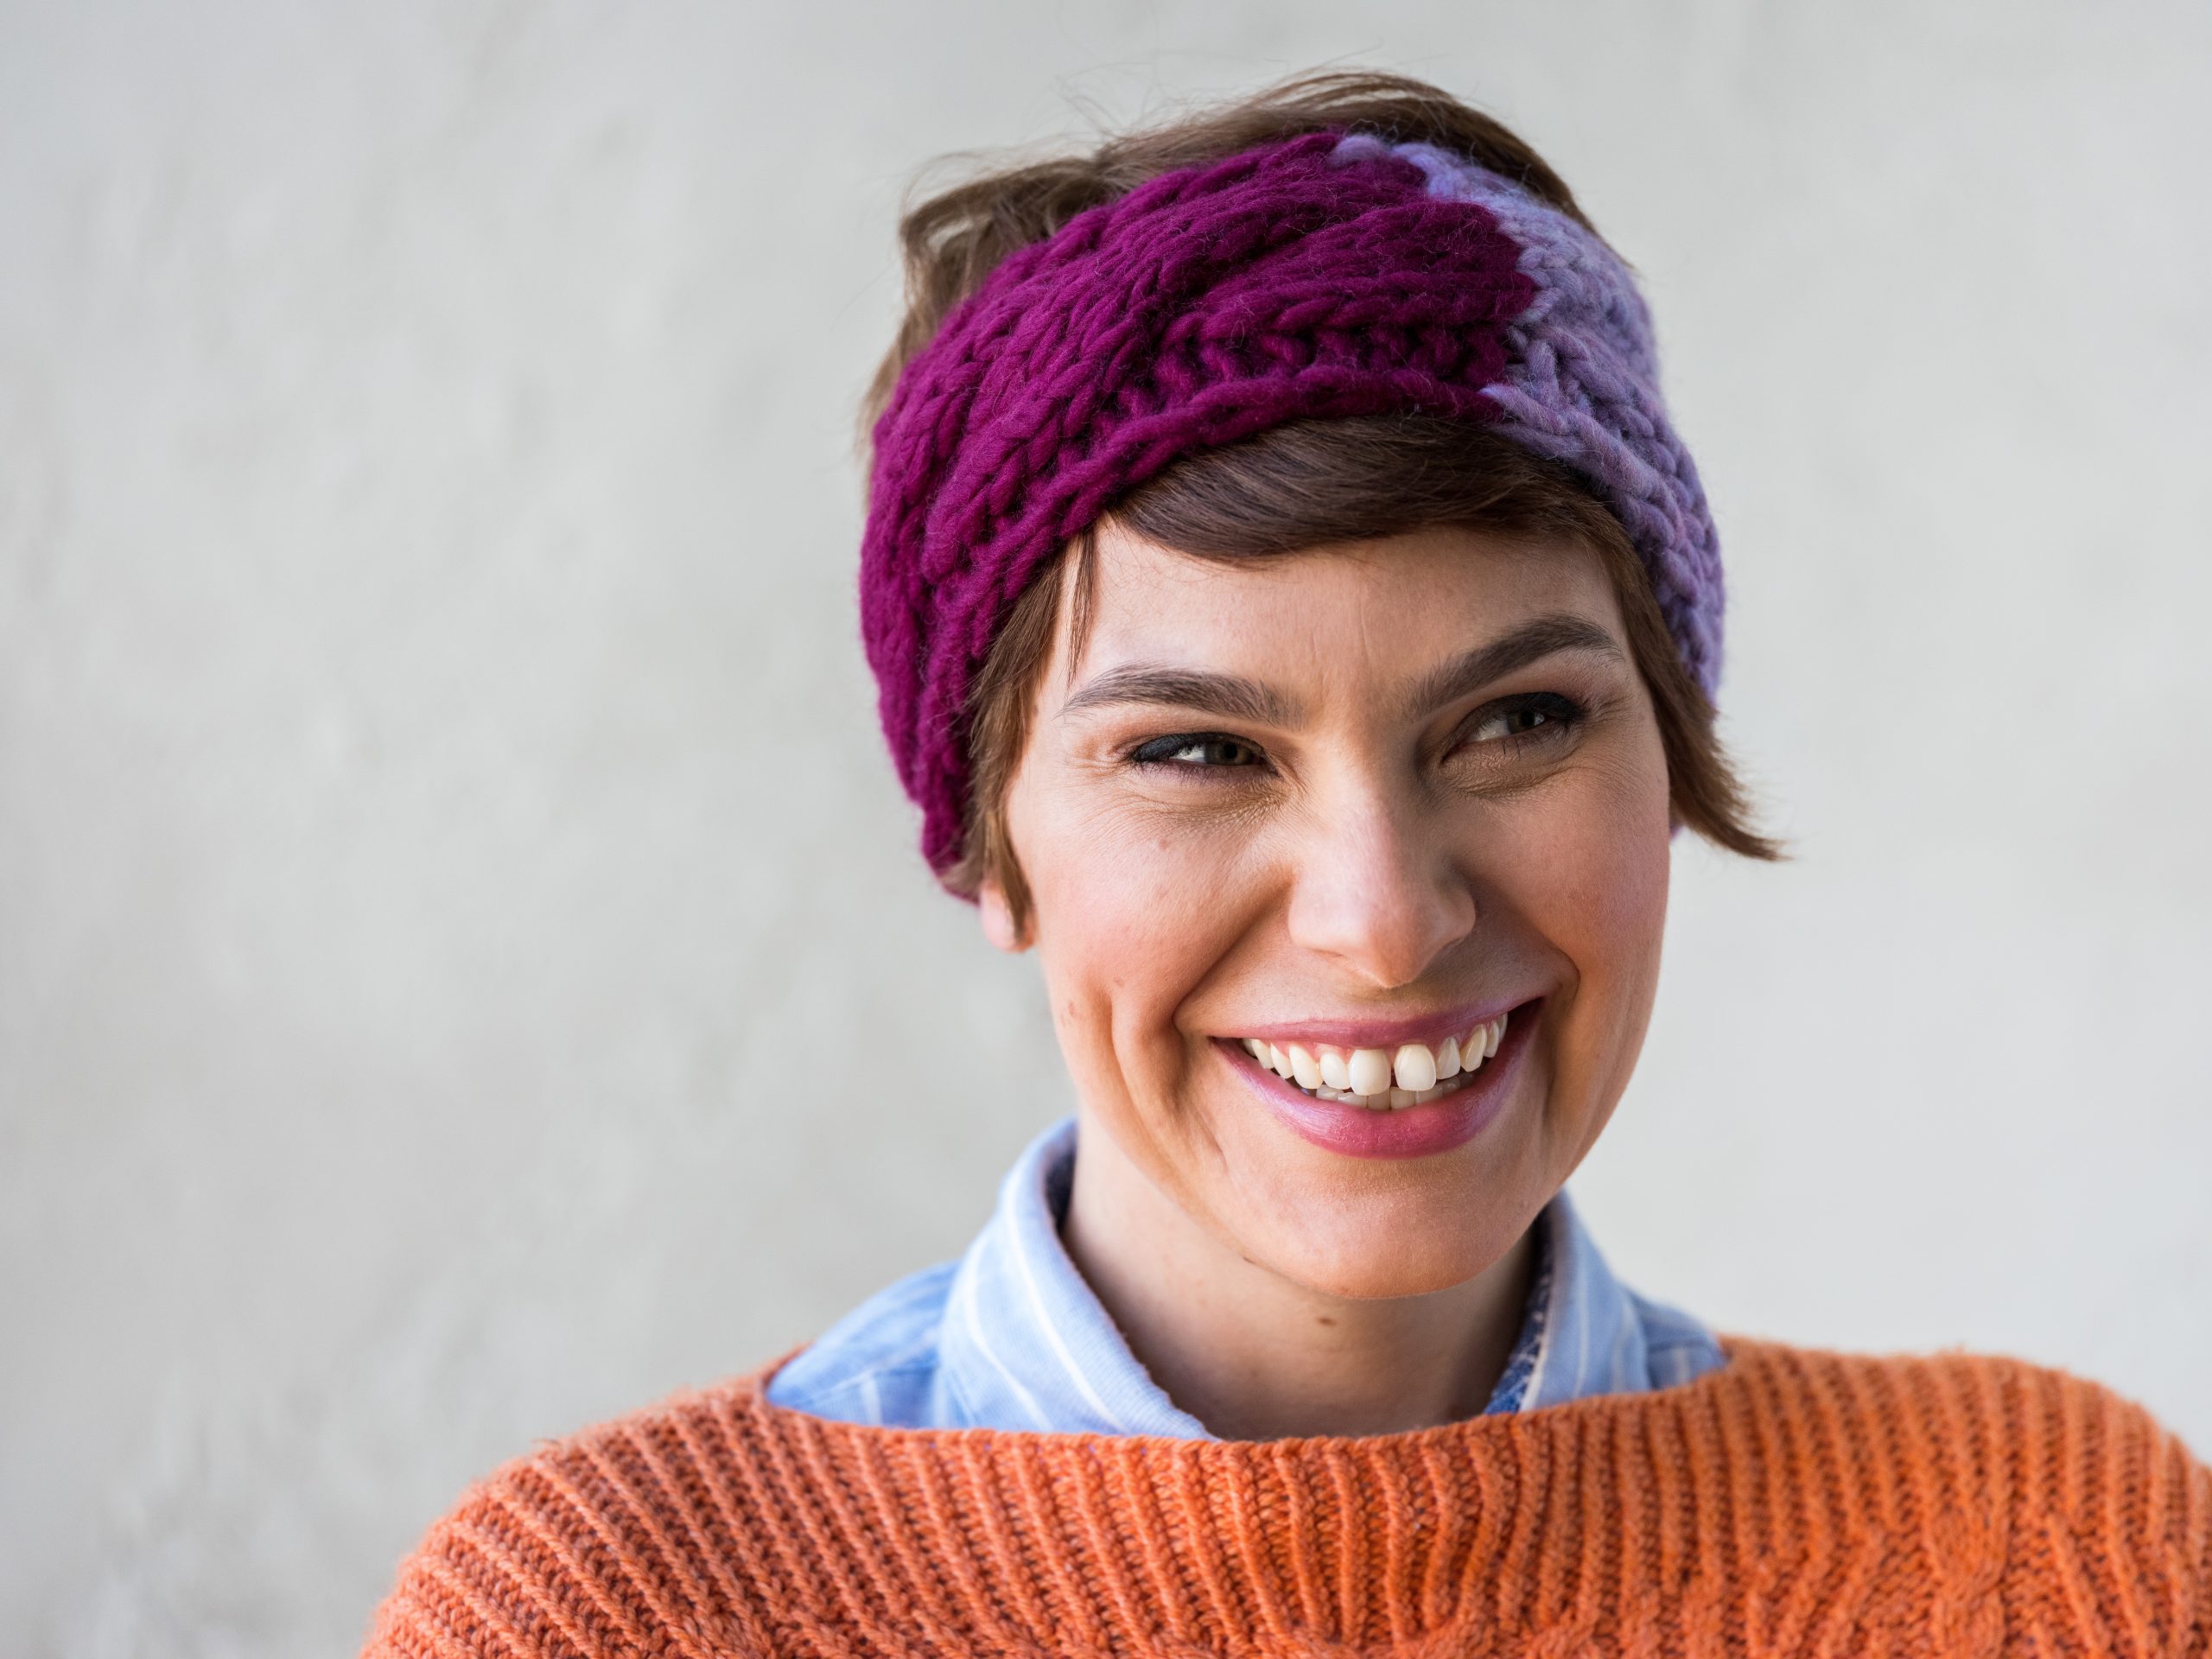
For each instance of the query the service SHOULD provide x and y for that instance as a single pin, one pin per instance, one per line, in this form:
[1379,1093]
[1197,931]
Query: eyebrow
[1531,642]
[1232,696]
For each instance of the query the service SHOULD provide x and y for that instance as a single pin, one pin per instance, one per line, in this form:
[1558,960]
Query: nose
[1375,887]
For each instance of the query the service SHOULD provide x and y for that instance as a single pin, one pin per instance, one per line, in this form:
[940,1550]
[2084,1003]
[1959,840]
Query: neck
[1255,1355]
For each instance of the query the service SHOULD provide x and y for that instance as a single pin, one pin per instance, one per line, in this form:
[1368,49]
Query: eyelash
[1561,713]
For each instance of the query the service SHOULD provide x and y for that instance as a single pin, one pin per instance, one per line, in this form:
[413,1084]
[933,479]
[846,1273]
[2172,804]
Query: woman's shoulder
[684,1514]
[1987,1431]
[593,1543]
[2019,1392]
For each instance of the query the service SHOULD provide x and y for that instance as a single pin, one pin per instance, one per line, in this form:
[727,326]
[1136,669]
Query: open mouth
[1384,1079]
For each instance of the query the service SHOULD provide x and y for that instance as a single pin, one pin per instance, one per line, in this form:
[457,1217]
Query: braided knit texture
[1795,1502]
[1320,276]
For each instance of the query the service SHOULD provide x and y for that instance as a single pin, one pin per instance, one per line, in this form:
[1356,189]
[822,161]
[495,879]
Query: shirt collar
[1026,1344]
[1589,1338]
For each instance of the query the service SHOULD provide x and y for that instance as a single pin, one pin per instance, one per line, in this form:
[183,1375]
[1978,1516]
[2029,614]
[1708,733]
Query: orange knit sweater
[1793,1502]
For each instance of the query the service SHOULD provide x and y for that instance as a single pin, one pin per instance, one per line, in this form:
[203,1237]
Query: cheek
[1130,919]
[1592,879]
[1592,858]
[1607,894]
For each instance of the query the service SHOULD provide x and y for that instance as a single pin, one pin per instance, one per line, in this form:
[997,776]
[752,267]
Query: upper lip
[1380,1033]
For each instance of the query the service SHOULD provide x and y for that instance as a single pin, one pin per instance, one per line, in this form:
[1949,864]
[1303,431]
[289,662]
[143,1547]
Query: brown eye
[1541,717]
[1195,750]
[1511,722]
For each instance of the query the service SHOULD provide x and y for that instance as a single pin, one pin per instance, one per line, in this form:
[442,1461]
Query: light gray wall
[463,970]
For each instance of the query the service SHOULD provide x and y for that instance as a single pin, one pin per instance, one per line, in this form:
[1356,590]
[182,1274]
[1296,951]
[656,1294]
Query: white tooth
[1401,1097]
[1256,1048]
[1447,1059]
[1278,1061]
[1415,1067]
[1334,1071]
[1370,1070]
[1423,1097]
[1471,1049]
[1304,1068]
[1495,1034]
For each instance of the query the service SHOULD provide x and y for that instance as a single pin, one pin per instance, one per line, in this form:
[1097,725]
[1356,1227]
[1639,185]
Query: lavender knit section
[1321,276]
[1581,385]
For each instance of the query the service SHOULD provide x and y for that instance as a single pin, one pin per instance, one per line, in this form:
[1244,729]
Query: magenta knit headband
[1323,276]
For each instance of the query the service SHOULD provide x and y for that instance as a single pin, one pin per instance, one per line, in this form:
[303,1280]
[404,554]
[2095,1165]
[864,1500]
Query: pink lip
[1409,1132]
[1430,1028]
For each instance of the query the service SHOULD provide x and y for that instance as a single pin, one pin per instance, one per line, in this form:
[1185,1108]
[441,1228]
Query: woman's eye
[1195,750]
[1541,717]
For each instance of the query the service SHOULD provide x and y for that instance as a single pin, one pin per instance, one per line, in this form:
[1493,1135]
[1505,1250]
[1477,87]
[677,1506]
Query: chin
[1372,1252]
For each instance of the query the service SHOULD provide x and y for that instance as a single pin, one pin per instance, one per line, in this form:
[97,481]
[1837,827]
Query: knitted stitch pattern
[1794,1502]
[1320,276]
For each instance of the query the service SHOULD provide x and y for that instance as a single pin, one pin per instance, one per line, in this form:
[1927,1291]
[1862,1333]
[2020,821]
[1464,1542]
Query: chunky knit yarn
[1792,1502]
[1321,275]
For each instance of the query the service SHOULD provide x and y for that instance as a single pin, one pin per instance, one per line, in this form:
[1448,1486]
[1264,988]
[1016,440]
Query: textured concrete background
[463,971]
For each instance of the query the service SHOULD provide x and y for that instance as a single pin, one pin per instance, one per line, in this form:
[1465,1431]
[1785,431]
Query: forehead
[1387,608]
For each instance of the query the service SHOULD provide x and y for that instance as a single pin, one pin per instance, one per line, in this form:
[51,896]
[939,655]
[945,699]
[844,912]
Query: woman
[1296,620]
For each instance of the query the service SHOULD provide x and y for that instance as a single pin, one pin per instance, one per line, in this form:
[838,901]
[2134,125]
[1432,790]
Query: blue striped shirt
[1010,1335]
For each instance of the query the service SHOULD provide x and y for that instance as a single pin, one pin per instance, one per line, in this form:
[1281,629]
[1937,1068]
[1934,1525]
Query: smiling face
[1353,804]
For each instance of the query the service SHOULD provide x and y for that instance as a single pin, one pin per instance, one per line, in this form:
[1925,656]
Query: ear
[998,918]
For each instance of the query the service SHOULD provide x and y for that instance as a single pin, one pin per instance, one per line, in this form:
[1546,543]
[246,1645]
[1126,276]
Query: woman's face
[1351,806]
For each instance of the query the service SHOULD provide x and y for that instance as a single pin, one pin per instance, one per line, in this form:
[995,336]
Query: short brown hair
[1302,485]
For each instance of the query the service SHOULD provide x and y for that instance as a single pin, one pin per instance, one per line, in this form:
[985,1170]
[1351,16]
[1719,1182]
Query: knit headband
[1323,276]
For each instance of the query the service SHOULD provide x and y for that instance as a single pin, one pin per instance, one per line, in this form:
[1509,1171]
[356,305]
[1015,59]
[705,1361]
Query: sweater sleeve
[2193,1535]
[2130,1508]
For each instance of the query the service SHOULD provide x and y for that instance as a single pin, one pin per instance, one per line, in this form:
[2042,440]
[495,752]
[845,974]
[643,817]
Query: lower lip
[1408,1132]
